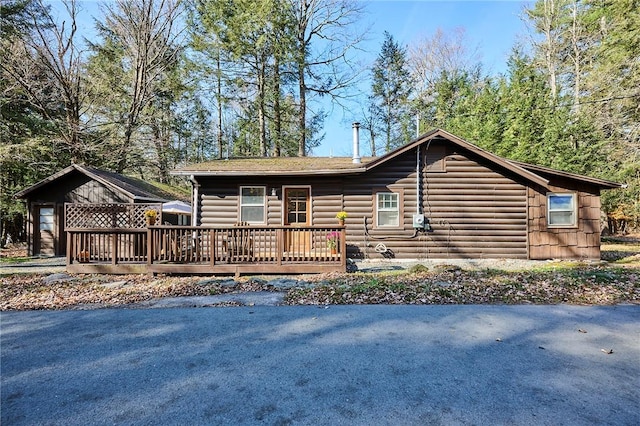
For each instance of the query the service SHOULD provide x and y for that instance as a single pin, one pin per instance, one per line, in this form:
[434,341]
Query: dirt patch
[14,251]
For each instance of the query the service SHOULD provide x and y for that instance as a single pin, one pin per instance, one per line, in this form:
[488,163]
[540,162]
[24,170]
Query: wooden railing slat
[280,246]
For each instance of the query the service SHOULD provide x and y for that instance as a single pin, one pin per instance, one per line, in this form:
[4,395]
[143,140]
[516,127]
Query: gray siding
[94,192]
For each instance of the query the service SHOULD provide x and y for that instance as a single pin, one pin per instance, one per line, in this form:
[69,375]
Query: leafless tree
[324,39]
[146,31]
[545,17]
[431,56]
[48,65]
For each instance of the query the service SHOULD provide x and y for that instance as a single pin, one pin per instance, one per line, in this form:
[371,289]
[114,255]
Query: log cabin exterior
[437,197]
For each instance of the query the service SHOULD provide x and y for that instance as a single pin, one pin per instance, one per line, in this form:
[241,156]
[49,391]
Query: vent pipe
[356,143]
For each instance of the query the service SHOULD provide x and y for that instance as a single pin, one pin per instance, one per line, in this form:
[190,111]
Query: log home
[439,196]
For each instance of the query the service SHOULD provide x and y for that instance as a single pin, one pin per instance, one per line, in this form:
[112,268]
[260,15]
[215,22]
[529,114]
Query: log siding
[474,211]
[478,205]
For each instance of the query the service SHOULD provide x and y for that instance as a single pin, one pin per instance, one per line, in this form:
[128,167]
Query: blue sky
[492,26]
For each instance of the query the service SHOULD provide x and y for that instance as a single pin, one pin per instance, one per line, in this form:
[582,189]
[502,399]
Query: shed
[438,196]
[77,184]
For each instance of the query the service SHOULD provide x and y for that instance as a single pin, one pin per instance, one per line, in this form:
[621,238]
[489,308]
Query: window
[561,209]
[252,203]
[46,218]
[388,209]
[184,220]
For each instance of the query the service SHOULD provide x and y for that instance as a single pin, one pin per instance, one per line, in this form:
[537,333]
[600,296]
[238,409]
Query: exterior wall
[474,212]
[92,192]
[219,203]
[582,241]
[73,188]
[475,209]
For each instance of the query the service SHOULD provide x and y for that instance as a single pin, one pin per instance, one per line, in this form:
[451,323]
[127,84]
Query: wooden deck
[202,250]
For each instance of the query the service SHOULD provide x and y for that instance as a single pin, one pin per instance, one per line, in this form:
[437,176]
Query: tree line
[169,82]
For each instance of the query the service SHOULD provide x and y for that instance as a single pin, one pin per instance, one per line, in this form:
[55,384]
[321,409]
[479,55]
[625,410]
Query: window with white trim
[252,204]
[561,209]
[388,209]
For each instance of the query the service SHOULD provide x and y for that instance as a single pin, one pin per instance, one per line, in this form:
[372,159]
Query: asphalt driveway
[349,365]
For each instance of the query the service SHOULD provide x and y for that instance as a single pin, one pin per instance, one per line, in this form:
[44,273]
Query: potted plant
[332,241]
[150,216]
[341,216]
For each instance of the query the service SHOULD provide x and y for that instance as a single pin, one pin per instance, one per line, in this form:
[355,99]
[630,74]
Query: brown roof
[288,166]
[553,172]
[135,188]
[275,165]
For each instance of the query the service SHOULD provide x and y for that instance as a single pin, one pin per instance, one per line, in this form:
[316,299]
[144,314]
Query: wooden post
[343,248]
[69,248]
[279,245]
[149,247]
[114,248]
[213,246]
[149,252]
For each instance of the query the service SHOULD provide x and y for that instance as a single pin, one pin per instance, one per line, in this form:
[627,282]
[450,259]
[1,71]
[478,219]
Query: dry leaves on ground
[28,292]
[593,285]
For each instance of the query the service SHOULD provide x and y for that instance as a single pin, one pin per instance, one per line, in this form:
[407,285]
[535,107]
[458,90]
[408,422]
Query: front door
[46,232]
[297,214]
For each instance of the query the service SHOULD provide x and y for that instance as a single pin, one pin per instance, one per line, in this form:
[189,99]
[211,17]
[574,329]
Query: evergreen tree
[390,92]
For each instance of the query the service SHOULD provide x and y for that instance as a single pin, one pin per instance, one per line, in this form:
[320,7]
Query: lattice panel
[108,216]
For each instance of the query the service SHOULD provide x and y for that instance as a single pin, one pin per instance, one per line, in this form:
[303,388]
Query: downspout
[418,166]
[195,196]
[418,179]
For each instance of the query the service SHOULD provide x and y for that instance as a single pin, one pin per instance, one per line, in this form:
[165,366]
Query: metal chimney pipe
[356,143]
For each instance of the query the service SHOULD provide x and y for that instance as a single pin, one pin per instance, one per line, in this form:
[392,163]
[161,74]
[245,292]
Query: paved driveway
[349,365]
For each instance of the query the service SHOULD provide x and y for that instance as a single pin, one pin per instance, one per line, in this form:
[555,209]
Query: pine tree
[391,89]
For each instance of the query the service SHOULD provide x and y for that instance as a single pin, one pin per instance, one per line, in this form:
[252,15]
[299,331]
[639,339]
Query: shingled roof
[136,189]
[275,165]
[297,166]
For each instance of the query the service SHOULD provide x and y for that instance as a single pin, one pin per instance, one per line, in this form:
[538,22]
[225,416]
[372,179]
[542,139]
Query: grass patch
[14,259]
[621,250]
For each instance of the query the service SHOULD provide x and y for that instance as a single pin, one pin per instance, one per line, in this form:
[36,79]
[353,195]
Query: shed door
[297,214]
[46,241]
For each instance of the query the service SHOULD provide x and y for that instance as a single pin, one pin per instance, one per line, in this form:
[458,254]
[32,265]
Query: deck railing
[195,249]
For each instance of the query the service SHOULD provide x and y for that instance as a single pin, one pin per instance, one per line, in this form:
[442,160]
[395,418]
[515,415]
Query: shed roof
[292,166]
[136,189]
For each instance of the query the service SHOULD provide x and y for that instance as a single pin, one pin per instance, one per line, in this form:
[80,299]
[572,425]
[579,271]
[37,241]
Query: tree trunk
[302,115]
[261,105]
[219,101]
[277,123]
[577,57]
